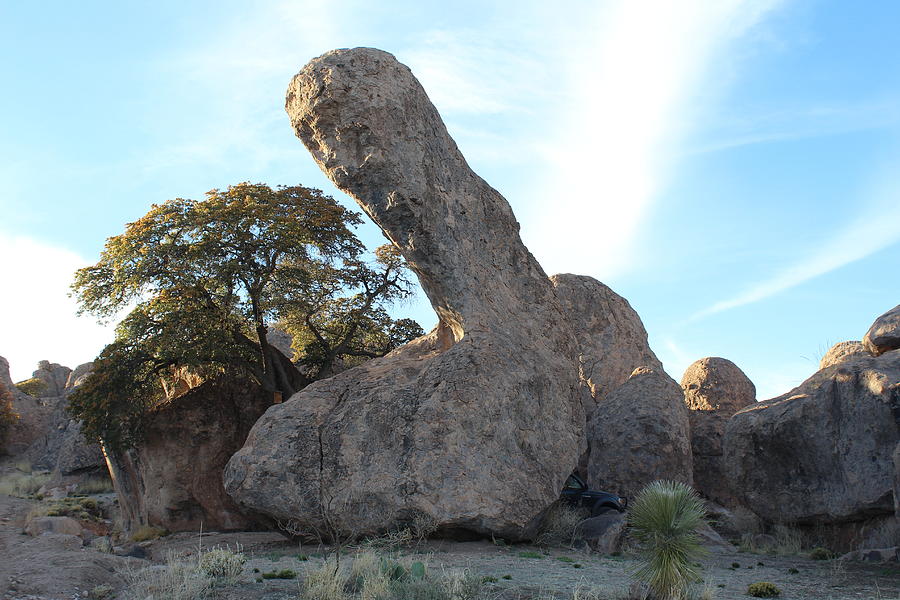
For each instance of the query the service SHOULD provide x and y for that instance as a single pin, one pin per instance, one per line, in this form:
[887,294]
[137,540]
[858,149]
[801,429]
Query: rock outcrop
[897,480]
[475,425]
[822,453]
[33,416]
[54,376]
[173,479]
[639,434]
[714,389]
[884,334]
[61,448]
[841,352]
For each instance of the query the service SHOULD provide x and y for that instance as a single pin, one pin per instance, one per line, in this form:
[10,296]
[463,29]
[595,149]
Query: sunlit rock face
[714,389]
[884,334]
[822,453]
[477,424]
[841,352]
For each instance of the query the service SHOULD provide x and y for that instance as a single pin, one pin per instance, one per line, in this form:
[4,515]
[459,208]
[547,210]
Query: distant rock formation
[477,424]
[822,453]
[639,434]
[54,376]
[78,376]
[884,334]
[714,389]
[173,479]
[841,352]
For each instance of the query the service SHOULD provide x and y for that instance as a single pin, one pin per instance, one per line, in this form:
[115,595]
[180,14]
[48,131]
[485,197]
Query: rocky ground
[57,566]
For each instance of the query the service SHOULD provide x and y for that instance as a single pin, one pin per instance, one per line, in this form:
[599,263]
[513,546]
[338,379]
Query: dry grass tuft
[559,524]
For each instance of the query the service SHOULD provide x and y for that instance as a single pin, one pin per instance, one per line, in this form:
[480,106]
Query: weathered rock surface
[841,352]
[60,447]
[639,434]
[897,480]
[884,334]
[822,453]
[33,416]
[714,389]
[611,338]
[174,478]
[477,424]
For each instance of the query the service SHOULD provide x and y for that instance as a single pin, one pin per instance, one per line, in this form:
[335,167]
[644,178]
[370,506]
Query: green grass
[565,559]
[282,574]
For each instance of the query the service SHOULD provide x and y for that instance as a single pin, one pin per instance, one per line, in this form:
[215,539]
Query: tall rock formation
[714,389]
[477,424]
[639,434]
[822,453]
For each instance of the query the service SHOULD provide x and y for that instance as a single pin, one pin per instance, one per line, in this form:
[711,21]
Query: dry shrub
[175,580]
[222,564]
[559,524]
[148,532]
[95,485]
[23,485]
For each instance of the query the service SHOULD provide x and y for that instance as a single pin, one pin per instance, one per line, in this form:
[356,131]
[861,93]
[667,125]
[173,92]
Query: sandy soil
[54,567]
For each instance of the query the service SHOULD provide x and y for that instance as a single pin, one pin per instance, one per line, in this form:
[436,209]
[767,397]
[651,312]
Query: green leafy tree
[205,279]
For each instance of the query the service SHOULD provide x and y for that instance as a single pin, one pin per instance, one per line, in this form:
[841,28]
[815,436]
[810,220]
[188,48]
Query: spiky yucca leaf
[664,519]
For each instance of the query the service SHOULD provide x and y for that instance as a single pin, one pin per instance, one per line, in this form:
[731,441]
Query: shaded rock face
[639,434]
[61,447]
[841,352]
[897,480]
[174,478]
[822,452]
[714,389]
[477,424]
[884,334]
[33,416]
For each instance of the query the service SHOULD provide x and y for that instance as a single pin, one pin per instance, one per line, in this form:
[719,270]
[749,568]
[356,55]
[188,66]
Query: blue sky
[729,167]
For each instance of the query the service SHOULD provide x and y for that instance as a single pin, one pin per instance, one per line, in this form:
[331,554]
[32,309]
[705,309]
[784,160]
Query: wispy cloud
[876,228]
[628,82]
[39,318]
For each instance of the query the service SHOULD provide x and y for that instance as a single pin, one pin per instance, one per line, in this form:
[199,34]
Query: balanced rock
[639,434]
[841,352]
[714,389]
[822,453]
[884,334]
[476,425]
[173,478]
[611,338]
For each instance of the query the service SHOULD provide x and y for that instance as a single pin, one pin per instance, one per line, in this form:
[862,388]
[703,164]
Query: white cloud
[39,319]
[877,227]
[629,77]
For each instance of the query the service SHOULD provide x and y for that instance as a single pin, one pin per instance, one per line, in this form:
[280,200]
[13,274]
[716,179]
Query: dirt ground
[57,567]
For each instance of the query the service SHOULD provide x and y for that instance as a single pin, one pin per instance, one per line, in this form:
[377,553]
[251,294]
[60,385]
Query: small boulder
[841,352]
[884,334]
[602,533]
[53,525]
[639,434]
[874,555]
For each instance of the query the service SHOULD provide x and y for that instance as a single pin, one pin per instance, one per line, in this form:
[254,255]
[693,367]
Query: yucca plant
[664,519]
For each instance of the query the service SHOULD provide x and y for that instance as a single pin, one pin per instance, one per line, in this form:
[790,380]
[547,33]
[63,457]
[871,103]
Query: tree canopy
[204,280]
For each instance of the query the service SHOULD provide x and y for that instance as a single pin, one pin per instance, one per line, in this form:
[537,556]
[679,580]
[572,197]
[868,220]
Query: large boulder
[78,376]
[714,389]
[173,479]
[841,352]
[612,341]
[896,461]
[476,425]
[639,434]
[33,416]
[822,453]
[884,334]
